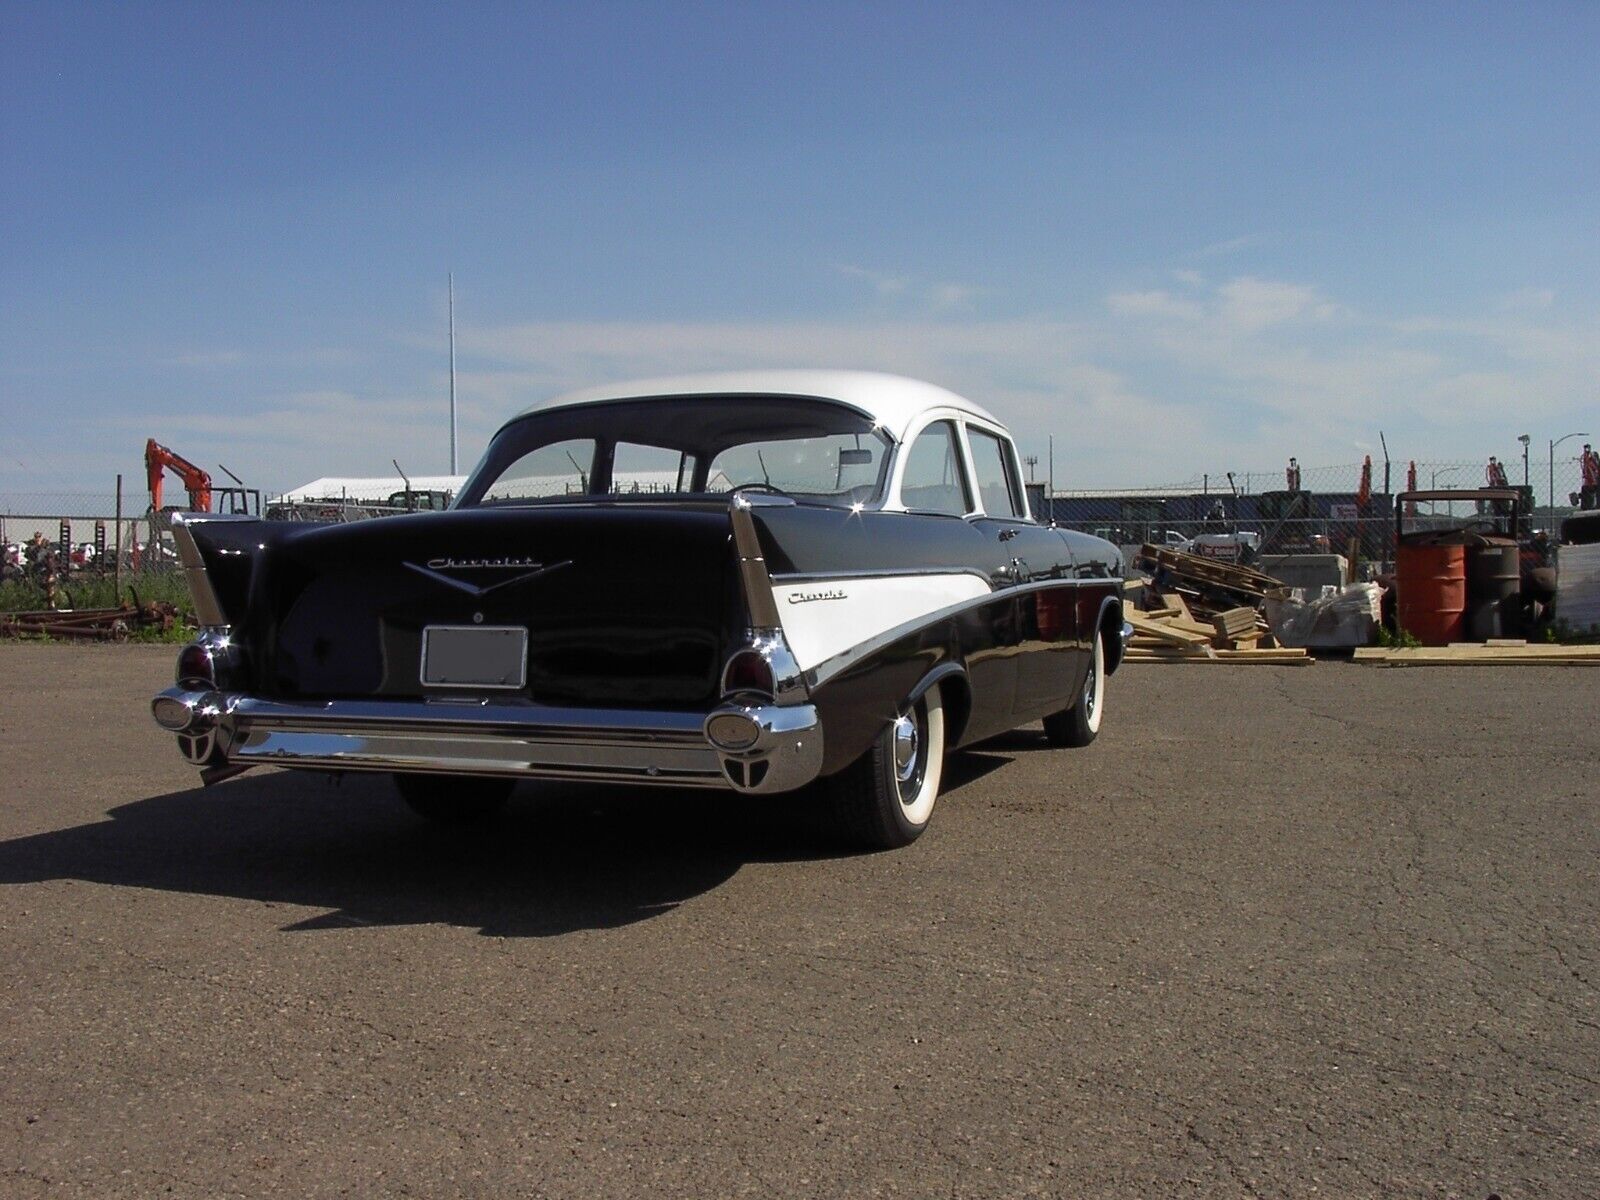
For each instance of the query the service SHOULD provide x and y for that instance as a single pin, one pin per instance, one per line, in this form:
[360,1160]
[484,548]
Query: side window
[933,480]
[636,468]
[997,482]
[559,469]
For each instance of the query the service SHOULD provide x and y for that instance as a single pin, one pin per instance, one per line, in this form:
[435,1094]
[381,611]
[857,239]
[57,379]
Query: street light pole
[1433,482]
[1553,446]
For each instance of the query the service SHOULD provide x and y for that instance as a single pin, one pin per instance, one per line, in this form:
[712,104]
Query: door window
[997,482]
[934,480]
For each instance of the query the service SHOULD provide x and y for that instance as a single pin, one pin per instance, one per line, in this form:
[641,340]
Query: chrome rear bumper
[219,729]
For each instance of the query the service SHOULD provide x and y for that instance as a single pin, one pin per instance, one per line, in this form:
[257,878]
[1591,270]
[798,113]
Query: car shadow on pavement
[561,858]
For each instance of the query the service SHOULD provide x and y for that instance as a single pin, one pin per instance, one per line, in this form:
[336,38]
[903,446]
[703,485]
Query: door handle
[1007,534]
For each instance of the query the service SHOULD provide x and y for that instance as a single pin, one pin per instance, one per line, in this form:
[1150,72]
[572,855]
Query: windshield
[814,450]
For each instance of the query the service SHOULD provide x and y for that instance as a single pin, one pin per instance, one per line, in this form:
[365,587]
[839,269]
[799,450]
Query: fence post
[118,597]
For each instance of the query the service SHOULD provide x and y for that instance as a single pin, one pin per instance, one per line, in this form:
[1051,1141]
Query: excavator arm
[158,459]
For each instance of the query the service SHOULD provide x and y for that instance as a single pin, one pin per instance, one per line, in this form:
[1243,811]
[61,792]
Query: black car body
[750,582]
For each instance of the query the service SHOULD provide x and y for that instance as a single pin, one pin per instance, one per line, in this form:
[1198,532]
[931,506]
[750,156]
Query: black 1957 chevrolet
[755,582]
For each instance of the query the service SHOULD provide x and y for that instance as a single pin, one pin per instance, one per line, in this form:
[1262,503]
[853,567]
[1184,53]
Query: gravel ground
[1278,933]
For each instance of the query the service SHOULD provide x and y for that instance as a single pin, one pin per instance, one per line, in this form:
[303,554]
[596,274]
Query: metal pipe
[452,373]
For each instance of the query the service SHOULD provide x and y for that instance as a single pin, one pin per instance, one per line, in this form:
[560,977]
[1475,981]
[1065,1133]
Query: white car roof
[892,401]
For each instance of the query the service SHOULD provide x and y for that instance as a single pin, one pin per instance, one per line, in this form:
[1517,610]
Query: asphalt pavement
[1279,932]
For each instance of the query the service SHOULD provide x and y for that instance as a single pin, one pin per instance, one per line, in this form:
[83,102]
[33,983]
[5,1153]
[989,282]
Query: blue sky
[1181,238]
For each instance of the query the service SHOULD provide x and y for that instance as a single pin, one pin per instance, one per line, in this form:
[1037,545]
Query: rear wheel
[885,798]
[454,799]
[1077,726]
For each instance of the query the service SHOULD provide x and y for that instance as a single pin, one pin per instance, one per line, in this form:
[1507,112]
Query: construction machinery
[197,482]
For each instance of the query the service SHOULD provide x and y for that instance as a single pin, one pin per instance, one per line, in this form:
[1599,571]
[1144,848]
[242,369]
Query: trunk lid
[625,605]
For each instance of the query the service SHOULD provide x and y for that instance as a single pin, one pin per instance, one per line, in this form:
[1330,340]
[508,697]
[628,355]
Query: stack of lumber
[1174,633]
[1209,577]
[1501,652]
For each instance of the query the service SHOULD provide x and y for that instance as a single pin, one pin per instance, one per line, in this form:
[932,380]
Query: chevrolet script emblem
[530,569]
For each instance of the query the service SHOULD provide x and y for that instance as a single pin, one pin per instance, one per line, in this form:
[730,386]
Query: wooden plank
[1254,660]
[1162,630]
[1234,621]
[1175,600]
[1543,661]
[1473,652]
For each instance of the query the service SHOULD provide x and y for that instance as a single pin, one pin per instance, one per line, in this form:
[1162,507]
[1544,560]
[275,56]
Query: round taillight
[195,668]
[747,671]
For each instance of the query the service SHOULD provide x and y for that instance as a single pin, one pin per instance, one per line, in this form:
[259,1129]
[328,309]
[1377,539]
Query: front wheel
[454,799]
[885,798]
[1077,726]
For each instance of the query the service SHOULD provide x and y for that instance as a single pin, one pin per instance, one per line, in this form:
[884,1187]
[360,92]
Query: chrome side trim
[207,609]
[887,573]
[752,566]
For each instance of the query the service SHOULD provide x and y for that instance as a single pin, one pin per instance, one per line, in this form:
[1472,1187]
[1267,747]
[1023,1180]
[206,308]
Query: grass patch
[84,590]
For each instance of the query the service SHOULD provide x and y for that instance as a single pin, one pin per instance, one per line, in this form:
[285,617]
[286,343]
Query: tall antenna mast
[452,373]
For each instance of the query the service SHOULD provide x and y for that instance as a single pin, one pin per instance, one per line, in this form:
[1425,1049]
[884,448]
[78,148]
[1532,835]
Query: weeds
[99,591]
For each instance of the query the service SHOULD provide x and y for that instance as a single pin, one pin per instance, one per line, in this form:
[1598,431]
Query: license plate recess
[478,656]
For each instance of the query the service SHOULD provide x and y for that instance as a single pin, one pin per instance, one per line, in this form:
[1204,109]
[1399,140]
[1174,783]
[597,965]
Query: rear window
[817,451]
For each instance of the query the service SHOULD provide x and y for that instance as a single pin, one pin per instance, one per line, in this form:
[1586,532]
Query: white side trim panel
[823,617]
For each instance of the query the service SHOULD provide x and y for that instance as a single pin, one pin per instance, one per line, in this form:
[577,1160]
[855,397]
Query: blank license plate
[474,656]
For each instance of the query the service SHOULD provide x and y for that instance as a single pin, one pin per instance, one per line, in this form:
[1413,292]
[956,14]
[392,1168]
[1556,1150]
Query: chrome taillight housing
[748,670]
[207,662]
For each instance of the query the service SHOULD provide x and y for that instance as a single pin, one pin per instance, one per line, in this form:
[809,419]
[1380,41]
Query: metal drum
[1431,582]
[1494,591]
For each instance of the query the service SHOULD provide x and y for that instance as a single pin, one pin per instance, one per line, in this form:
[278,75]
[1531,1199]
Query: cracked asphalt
[1278,933]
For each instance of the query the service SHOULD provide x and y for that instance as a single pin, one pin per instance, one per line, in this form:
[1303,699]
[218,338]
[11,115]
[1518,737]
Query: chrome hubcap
[906,743]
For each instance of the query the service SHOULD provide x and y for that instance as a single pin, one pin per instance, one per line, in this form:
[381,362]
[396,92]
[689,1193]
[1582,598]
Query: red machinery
[157,459]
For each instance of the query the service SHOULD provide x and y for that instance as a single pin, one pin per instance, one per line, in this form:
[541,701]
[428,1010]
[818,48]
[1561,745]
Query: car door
[937,482]
[1036,566]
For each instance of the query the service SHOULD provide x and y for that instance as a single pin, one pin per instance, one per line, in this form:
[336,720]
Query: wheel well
[1111,631]
[956,699]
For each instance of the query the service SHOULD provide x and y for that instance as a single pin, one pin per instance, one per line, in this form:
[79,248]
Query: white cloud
[1154,387]
[1233,245]
[1528,299]
[1249,303]
[1153,304]
[942,296]
[884,285]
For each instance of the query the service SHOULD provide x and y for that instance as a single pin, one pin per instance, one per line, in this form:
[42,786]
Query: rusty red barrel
[1432,585]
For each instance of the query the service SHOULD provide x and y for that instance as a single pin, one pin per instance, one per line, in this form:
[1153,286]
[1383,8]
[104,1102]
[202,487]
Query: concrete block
[1309,571]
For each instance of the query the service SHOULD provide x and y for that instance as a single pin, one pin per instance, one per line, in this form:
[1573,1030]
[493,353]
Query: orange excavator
[158,459]
[197,482]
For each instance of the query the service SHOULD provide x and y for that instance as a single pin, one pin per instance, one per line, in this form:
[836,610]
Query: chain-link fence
[1330,512]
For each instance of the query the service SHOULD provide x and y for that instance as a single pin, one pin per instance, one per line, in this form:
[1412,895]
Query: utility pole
[1033,461]
[453,467]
